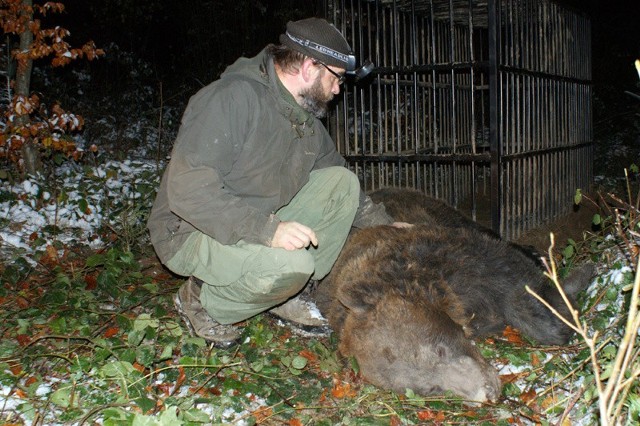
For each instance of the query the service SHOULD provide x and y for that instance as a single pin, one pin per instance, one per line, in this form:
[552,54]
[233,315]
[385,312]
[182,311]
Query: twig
[623,357]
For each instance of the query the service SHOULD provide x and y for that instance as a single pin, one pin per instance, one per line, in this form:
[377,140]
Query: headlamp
[364,70]
[323,53]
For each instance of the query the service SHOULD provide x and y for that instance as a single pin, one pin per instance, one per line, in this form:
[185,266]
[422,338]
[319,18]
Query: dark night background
[163,51]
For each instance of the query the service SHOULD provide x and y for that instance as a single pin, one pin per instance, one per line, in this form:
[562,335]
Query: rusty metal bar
[448,71]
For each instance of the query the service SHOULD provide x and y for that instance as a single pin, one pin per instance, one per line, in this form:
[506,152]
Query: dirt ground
[571,226]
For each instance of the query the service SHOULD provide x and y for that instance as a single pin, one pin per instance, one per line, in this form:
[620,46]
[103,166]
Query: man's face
[316,98]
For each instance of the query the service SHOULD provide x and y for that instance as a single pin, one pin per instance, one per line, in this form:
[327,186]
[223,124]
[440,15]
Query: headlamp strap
[349,60]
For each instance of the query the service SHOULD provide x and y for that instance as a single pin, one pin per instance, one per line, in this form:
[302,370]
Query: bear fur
[405,301]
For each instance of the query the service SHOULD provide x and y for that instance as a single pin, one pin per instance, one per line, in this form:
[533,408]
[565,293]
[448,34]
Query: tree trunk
[30,153]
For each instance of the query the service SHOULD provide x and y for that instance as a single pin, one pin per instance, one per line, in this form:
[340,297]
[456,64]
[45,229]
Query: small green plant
[611,320]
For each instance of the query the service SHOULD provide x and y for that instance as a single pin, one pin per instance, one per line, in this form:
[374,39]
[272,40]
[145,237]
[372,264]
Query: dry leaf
[528,396]
[512,335]
[111,331]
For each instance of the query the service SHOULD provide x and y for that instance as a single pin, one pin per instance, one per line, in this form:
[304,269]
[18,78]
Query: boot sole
[302,330]
[220,344]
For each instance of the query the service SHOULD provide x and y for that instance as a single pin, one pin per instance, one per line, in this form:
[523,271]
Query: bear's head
[405,343]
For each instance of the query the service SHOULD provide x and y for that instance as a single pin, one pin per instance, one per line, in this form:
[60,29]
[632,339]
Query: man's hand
[402,225]
[293,236]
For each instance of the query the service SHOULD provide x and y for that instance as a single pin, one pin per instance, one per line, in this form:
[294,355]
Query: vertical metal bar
[376,57]
[452,99]
[494,112]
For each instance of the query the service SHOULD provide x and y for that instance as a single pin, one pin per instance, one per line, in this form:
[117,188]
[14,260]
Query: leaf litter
[90,335]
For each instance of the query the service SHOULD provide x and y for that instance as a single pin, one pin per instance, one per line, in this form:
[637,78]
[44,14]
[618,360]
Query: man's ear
[308,71]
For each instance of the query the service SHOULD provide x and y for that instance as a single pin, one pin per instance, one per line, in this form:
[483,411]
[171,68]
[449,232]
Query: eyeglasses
[340,78]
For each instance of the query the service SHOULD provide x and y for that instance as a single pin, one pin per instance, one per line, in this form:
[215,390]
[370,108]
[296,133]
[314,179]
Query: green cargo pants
[242,280]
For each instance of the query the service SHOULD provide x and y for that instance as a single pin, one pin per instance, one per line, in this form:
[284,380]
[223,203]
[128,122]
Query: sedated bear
[405,301]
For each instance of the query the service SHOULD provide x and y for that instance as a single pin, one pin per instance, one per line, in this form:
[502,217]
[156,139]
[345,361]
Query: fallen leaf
[395,421]
[426,415]
[165,388]
[22,302]
[20,393]
[308,355]
[565,422]
[343,390]
[535,360]
[512,335]
[549,401]
[92,282]
[23,339]
[139,367]
[181,377]
[528,396]
[52,253]
[111,331]
[509,378]
[262,413]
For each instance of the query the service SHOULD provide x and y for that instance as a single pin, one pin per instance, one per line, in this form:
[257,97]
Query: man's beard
[315,101]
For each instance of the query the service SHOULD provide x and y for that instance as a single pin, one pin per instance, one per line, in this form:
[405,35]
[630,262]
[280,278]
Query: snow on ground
[76,202]
[79,202]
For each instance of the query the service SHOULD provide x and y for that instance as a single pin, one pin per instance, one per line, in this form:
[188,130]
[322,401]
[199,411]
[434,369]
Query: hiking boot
[302,315]
[198,321]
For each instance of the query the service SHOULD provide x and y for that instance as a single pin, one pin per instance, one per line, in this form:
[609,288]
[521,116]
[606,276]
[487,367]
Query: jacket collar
[286,104]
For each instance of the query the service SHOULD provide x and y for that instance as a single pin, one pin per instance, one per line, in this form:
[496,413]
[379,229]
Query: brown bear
[405,300]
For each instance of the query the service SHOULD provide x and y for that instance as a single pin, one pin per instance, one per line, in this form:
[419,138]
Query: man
[256,200]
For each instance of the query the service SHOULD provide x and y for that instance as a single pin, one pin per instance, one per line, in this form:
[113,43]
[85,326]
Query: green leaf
[169,417]
[577,198]
[11,274]
[101,354]
[612,294]
[107,280]
[151,287]
[128,259]
[59,325]
[299,362]
[145,404]
[353,362]
[95,260]
[173,329]
[597,219]
[568,252]
[257,366]
[116,417]
[28,411]
[143,321]
[195,415]
[197,341]
[145,355]
[609,352]
[118,369]
[127,355]
[167,353]
[23,326]
[83,206]
[61,397]
[135,337]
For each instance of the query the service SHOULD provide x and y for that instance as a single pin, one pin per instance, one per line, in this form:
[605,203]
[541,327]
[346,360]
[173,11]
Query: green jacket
[244,149]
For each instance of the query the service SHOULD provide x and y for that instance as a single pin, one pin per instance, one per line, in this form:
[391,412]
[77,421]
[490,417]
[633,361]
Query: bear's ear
[358,297]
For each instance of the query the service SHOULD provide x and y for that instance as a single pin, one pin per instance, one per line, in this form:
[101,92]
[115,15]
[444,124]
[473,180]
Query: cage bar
[484,104]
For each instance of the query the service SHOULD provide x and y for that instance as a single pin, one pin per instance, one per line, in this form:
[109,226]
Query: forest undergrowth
[89,334]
